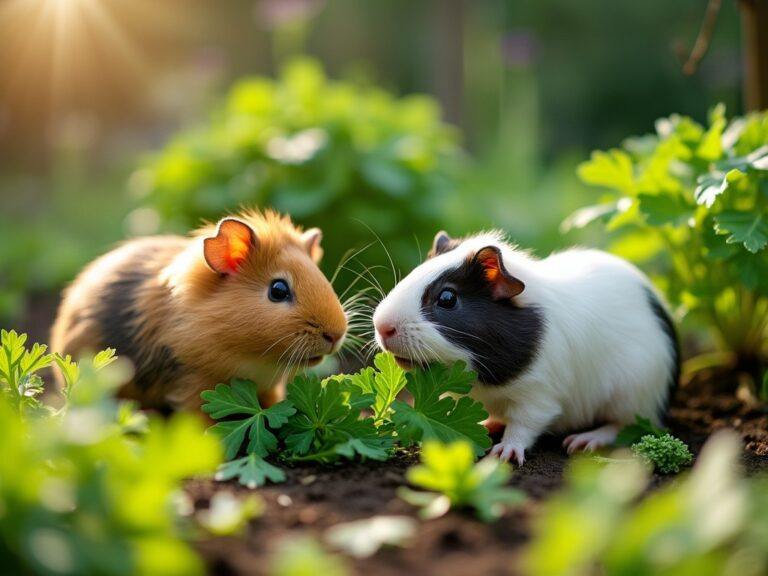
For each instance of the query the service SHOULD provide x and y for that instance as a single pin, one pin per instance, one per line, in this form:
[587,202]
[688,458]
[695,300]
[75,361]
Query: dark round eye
[447,299]
[279,291]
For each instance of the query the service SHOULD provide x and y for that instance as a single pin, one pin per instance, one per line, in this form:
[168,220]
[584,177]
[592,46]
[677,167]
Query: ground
[456,544]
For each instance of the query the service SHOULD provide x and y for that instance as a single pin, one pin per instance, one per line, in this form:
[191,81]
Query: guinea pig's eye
[279,291]
[447,299]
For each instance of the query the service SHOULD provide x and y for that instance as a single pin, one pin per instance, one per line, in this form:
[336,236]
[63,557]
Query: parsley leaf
[240,397]
[250,471]
[437,416]
[385,383]
[632,433]
[328,425]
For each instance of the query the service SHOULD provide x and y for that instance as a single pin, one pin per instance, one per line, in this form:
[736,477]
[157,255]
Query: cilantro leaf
[240,397]
[747,228]
[436,416]
[250,471]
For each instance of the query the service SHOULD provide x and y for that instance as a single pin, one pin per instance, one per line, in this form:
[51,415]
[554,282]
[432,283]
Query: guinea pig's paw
[592,440]
[507,450]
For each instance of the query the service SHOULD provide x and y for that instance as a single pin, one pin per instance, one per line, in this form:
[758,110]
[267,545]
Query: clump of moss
[666,453]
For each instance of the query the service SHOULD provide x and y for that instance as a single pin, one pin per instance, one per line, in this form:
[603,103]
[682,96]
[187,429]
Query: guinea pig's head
[465,302]
[256,294]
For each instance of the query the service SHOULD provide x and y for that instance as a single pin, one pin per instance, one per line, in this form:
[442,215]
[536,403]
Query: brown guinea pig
[244,298]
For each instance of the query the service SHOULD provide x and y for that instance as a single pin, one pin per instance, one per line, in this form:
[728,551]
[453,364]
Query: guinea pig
[575,340]
[243,298]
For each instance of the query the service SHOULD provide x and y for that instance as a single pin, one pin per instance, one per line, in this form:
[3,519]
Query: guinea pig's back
[112,296]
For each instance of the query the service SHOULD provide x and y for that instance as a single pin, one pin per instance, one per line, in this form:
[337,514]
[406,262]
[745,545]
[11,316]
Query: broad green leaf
[632,433]
[710,148]
[240,397]
[251,471]
[664,209]
[747,228]
[434,415]
[612,169]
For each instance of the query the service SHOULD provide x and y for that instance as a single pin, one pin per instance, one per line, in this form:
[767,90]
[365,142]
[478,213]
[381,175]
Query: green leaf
[585,216]
[240,397]
[69,370]
[632,433]
[104,358]
[711,148]
[665,453]
[661,209]
[764,388]
[712,185]
[251,471]
[437,416]
[385,383]
[450,470]
[328,424]
[747,228]
[612,169]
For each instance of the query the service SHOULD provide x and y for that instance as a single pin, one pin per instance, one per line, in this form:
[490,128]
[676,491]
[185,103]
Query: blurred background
[380,122]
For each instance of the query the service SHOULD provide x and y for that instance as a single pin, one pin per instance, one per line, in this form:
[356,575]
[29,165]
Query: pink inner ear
[503,285]
[227,251]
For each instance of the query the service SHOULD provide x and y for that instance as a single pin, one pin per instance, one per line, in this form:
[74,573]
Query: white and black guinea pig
[575,341]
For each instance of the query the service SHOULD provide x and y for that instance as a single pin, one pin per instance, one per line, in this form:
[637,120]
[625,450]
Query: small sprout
[363,538]
[229,515]
[666,453]
[456,480]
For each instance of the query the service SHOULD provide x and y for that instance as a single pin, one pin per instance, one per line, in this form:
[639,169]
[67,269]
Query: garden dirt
[316,498]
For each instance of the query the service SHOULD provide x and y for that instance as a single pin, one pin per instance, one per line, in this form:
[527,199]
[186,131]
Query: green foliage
[434,415]
[693,200]
[328,152]
[450,472]
[665,453]
[325,421]
[80,496]
[632,433]
[710,522]
[240,398]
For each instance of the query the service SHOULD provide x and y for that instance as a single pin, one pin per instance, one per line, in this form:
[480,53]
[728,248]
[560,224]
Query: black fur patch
[669,329]
[121,322]
[502,337]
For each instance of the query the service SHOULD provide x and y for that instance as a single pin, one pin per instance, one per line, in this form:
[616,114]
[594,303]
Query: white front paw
[508,450]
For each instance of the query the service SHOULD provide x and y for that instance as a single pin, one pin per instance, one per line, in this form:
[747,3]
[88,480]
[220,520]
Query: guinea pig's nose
[332,337]
[386,331]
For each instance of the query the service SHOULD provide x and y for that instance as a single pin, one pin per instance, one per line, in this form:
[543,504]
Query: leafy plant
[693,201]
[78,495]
[632,433]
[434,415]
[712,521]
[665,453]
[325,421]
[328,152]
[304,556]
[450,472]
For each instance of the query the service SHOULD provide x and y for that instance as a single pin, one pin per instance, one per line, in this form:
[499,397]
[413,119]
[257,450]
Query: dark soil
[456,544]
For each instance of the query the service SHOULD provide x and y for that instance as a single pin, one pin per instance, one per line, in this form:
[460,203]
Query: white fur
[604,356]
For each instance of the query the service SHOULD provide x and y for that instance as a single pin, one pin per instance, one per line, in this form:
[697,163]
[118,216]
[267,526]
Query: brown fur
[192,327]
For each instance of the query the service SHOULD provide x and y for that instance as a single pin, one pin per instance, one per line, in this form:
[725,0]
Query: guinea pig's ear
[311,239]
[441,244]
[503,285]
[233,243]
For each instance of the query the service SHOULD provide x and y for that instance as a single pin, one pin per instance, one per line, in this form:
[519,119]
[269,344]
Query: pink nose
[332,337]
[386,331]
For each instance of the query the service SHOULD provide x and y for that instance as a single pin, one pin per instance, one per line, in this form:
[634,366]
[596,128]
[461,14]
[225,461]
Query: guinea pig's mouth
[312,360]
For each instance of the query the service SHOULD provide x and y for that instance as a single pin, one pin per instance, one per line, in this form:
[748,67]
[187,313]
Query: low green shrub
[89,487]
[333,154]
[691,202]
[322,420]
[665,453]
